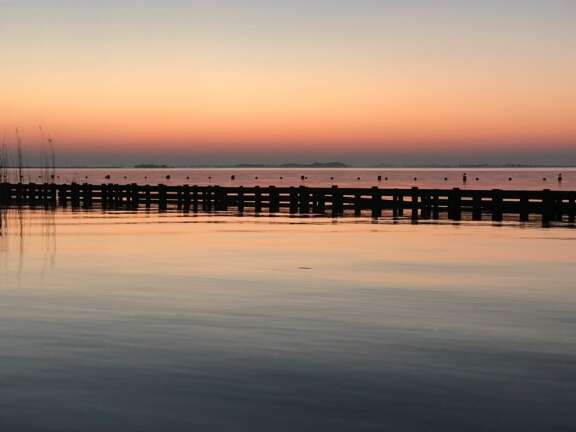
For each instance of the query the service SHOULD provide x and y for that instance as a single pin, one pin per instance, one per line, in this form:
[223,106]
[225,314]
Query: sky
[226,81]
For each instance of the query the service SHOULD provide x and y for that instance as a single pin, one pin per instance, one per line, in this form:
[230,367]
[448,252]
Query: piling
[274,199]
[547,203]
[240,200]
[162,198]
[195,199]
[293,200]
[303,200]
[524,209]
[186,198]
[257,200]
[148,196]
[337,204]
[497,202]
[477,207]
[357,203]
[414,196]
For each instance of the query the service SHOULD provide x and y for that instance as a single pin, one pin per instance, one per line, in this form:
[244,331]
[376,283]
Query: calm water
[525,178]
[148,322]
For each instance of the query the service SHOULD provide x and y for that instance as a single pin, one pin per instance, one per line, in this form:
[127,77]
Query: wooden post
[207,198]
[218,198]
[337,205]
[162,203]
[52,194]
[426,208]
[524,208]
[240,200]
[75,198]
[179,198]
[223,199]
[103,195]
[19,192]
[211,198]
[62,195]
[186,198]
[40,191]
[304,200]
[497,213]
[104,191]
[257,200]
[147,196]
[376,204]
[26,193]
[455,204]
[31,194]
[293,200]
[195,199]
[414,203]
[5,194]
[214,198]
[477,207]
[400,204]
[395,203]
[435,204]
[274,203]
[357,203]
[135,192]
[558,209]
[204,192]
[86,196]
[109,195]
[39,194]
[572,208]
[117,196]
[313,201]
[547,206]
[321,208]
[44,195]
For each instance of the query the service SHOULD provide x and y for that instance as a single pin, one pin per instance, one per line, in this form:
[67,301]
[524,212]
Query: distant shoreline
[308,166]
[315,165]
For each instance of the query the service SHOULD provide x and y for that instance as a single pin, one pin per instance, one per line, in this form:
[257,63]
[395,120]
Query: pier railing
[415,203]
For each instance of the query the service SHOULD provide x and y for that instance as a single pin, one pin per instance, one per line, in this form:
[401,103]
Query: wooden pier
[415,203]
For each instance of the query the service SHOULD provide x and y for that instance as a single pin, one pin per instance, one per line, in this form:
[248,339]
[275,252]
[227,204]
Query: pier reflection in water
[152,321]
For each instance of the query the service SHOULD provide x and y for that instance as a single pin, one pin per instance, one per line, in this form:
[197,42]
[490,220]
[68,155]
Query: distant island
[255,165]
[151,166]
[329,165]
[296,165]
[336,165]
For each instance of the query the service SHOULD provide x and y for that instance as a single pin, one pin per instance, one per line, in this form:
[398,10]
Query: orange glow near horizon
[320,91]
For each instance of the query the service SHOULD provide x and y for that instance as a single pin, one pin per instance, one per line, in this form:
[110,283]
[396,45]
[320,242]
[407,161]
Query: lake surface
[479,178]
[169,322]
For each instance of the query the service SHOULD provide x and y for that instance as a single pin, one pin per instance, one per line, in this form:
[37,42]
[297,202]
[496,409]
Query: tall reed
[4,164]
[19,157]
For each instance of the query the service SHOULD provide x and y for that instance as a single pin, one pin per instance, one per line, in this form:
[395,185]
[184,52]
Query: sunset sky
[292,80]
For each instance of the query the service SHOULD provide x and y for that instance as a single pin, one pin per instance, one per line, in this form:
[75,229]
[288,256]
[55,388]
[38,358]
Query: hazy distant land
[344,165]
[313,165]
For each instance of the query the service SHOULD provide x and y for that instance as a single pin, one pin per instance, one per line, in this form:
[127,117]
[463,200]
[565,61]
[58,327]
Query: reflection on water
[147,321]
[17,225]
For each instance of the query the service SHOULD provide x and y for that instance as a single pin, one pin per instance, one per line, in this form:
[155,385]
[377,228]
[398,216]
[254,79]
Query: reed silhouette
[13,166]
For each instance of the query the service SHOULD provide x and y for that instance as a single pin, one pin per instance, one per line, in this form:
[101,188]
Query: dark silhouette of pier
[415,203]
